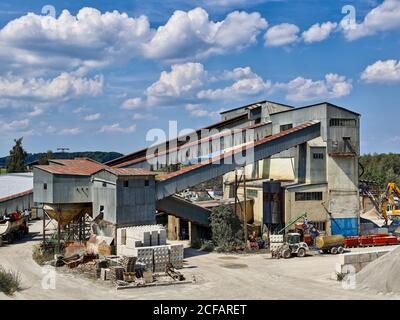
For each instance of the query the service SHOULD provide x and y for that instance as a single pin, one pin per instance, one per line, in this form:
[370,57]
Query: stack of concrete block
[161,258]
[145,256]
[140,236]
[355,262]
[176,255]
[275,241]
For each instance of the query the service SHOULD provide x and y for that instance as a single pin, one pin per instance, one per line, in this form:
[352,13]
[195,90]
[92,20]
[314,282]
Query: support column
[302,163]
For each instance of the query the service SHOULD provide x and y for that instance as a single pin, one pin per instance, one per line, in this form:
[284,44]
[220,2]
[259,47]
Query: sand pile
[382,275]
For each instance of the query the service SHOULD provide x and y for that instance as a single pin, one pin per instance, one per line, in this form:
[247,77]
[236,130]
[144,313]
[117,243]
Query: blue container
[344,226]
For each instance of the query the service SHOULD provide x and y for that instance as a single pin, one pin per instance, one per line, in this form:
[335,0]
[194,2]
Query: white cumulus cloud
[247,84]
[319,32]
[132,103]
[192,35]
[382,71]
[15,125]
[181,82]
[92,39]
[117,128]
[281,35]
[92,117]
[63,87]
[69,131]
[302,89]
[35,112]
[384,17]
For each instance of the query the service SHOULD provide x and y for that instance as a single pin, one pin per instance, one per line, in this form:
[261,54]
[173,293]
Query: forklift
[293,246]
[294,243]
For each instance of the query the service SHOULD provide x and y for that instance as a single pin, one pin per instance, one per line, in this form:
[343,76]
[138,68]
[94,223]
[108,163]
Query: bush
[9,281]
[226,227]
[207,246]
[39,257]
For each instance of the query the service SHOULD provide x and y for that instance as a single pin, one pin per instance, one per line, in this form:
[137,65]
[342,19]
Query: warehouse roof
[142,153]
[237,149]
[14,185]
[87,167]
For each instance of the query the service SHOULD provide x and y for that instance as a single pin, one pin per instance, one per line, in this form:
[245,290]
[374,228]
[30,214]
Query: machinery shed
[16,192]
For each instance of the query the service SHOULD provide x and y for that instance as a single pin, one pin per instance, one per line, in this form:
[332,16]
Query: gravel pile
[382,275]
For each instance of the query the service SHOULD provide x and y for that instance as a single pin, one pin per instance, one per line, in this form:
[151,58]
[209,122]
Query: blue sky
[92,78]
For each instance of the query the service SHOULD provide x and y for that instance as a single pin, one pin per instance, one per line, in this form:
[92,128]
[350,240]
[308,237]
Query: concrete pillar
[173,227]
[302,163]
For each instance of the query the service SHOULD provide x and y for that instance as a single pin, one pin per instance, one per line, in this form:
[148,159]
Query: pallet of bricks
[148,245]
[157,258]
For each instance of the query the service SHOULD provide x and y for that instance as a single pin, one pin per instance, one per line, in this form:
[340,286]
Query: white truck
[13,227]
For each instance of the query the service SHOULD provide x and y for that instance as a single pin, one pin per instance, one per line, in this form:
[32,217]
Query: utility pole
[245,206]
[235,191]
[62,150]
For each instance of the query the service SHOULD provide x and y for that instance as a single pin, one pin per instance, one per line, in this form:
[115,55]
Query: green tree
[226,228]
[44,158]
[16,162]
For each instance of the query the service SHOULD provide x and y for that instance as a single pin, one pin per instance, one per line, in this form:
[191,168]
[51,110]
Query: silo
[272,202]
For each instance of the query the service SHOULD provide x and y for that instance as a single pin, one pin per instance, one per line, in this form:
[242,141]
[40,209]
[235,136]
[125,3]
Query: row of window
[318,156]
[334,122]
[308,196]
[126,183]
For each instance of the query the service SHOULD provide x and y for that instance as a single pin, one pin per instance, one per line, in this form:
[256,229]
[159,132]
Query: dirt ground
[218,276]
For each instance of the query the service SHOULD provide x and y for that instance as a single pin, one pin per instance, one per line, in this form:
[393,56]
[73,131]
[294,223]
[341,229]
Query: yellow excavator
[390,203]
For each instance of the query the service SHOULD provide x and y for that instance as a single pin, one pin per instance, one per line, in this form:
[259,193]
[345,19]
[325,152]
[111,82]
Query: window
[44,186]
[123,237]
[335,122]
[318,156]
[286,127]
[320,225]
[308,196]
[146,183]
[104,184]
[126,183]
[251,193]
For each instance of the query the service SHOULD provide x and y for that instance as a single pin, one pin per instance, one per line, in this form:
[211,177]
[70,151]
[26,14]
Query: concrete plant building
[321,173]
[303,159]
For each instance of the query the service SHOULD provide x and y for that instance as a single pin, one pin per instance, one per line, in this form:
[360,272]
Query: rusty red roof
[240,148]
[87,167]
[190,144]
[142,153]
[131,171]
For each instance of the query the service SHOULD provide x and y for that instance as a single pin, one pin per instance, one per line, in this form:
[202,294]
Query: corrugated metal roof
[87,167]
[131,172]
[191,144]
[142,153]
[15,184]
[235,150]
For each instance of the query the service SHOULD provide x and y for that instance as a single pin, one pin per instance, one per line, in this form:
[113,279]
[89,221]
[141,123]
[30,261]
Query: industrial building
[297,159]
[16,192]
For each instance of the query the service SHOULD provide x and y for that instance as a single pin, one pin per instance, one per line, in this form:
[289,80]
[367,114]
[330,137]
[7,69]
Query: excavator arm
[388,198]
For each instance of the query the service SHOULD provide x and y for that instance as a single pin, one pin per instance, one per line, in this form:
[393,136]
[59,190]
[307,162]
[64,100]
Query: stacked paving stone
[148,244]
[161,258]
[176,255]
[140,236]
[145,256]
[276,241]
